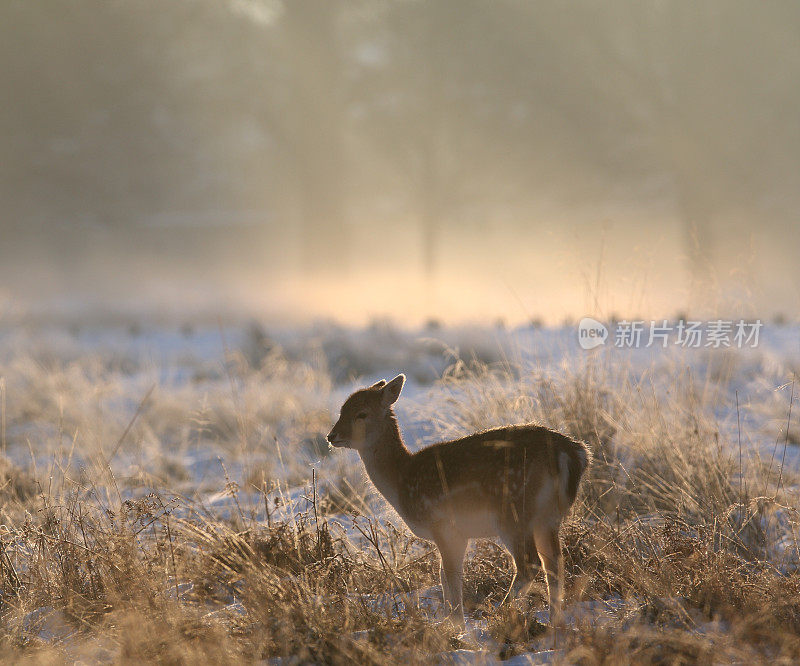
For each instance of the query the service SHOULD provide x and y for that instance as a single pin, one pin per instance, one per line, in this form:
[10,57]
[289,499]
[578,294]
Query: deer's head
[363,415]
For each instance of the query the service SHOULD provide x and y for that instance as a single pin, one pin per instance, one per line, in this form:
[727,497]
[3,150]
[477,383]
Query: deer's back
[499,471]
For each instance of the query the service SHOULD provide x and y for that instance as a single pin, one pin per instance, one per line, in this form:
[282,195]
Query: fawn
[516,482]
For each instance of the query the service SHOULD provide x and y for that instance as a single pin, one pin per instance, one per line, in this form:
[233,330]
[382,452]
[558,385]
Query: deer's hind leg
[526,558]
[522,546]
[545,533]
[517,534]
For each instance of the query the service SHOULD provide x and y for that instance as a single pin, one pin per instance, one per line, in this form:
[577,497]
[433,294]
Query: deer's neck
[386,461]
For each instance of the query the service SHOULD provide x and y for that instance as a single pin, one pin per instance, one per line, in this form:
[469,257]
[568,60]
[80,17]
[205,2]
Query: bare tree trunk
[696,217]
[317,101]
[432,209]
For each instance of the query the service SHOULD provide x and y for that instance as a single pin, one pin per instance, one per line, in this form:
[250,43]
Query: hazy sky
[459,159]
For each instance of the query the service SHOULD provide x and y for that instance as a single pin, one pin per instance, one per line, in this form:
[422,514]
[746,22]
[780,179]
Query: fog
[450,159]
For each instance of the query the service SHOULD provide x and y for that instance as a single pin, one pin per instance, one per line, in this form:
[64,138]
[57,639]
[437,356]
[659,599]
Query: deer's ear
[391,392]
[379,384]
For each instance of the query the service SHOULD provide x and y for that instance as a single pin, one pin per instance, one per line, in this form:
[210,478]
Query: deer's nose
[331,437]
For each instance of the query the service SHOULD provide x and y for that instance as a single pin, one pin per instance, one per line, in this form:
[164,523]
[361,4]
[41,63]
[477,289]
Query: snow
[194,371]
[484,658]
[48,624]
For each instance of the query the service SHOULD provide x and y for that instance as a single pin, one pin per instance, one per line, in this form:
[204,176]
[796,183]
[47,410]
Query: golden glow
[318,158]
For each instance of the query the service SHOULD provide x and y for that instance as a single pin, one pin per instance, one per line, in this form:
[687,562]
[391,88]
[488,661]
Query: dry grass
[672,555]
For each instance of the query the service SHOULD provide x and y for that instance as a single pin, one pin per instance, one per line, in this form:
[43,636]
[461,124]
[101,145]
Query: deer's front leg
[451,549]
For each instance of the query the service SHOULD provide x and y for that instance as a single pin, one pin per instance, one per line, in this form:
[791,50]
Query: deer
[517,483]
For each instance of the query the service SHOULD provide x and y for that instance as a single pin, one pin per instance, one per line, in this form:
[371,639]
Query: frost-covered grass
[166,495]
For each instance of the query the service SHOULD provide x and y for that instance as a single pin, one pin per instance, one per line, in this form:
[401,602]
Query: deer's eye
[361,415]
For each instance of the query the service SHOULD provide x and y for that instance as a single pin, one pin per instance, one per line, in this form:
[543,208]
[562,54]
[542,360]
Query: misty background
[455,159]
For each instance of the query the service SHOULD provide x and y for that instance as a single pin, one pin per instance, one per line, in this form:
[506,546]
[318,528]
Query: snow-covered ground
[207,400]
[231,417]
